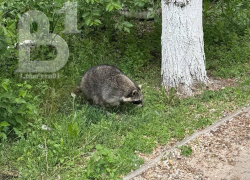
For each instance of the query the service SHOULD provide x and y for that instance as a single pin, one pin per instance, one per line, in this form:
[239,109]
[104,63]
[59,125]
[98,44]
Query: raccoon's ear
[139,86]
[134,92]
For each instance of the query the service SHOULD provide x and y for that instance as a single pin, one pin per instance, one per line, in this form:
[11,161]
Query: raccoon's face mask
[137,96]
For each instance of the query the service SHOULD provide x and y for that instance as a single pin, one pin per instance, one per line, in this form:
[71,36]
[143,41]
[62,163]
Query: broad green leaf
[3,135]
[116,26]
[88,21]
[117,5]
[61,160]
[5,30]
[22,93]
[96,12]
[28,86]
[109,7]
[20,101]
[97,22]
[19,119]
[119,27]
[4,124]
[8,96]
[127,29]
[5,87]
[5,84]
[85,14]
[127,24]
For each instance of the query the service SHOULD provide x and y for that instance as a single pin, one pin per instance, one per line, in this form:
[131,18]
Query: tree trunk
[183,57]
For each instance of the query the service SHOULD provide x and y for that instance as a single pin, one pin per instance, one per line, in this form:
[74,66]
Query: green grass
[89,142]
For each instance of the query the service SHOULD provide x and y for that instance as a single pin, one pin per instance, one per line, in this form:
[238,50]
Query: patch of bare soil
[215,84]
[220,154]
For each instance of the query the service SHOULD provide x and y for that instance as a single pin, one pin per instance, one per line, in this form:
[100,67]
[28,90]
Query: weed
[186,151]
[16,109]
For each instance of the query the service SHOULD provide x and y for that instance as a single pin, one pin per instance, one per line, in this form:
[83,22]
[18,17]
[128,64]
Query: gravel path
[223,153]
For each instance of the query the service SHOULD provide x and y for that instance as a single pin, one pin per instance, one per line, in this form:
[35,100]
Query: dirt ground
[222,154]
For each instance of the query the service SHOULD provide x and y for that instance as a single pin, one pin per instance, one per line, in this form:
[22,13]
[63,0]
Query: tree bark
[183,57]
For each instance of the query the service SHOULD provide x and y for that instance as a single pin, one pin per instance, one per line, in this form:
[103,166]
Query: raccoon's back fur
[107,85]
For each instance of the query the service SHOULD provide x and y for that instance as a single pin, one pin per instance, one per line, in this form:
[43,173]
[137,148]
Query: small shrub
[226,35]
[103,164]
[16,109]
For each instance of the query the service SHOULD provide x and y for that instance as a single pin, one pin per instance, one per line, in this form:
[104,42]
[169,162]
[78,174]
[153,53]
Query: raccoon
[106,85]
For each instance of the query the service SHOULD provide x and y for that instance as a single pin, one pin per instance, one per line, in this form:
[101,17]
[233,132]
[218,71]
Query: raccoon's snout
[136,102]
[139,103]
